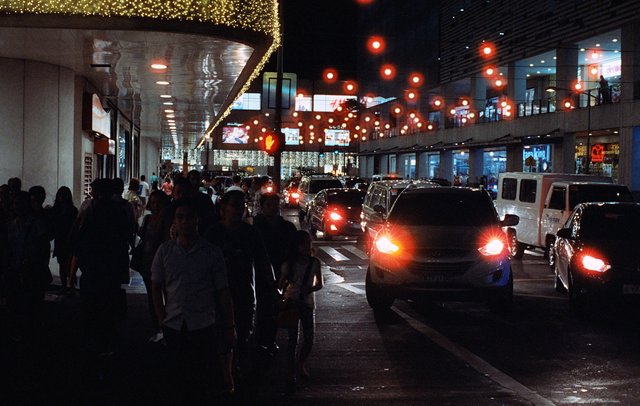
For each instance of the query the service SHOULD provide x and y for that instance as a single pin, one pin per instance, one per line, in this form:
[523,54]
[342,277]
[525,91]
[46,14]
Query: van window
[557,201]
[509,186]
[528,190]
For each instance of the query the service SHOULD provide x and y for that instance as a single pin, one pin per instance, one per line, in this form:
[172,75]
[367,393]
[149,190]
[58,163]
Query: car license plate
[437,277]
[631,289]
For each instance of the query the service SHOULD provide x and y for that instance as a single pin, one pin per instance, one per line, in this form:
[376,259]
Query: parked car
[598,252]
[388,176]
[336,212]
[310,186]
[378,201]
[291,194]
[441,243]
[544,201]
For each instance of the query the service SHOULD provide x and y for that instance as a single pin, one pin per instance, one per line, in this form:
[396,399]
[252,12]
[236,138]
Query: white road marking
[474,361]
[351,288]
[550,278]
[355,251]
[334,253]
[540,296]
[534,253]
[534,262]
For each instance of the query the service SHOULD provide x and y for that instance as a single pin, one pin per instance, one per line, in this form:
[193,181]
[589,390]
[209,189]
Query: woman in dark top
[63,214]
[152,234]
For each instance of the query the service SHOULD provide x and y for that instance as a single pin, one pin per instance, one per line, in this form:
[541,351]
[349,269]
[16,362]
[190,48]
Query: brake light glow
[594,264]
[269,189]
[385,245]
[335,216]
[295,195]
[494,247]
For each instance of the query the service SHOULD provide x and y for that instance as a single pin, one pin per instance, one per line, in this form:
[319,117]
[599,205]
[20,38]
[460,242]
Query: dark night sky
[320,34]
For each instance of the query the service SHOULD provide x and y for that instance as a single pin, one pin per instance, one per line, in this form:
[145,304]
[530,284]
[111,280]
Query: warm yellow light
[158,66]
[162,83]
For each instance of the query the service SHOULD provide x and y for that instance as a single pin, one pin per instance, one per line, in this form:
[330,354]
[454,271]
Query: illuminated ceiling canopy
[212,50]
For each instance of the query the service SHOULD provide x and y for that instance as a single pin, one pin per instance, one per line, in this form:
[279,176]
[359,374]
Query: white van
[544,201]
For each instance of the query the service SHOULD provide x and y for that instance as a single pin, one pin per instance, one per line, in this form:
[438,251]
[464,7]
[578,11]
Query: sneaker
[157,337]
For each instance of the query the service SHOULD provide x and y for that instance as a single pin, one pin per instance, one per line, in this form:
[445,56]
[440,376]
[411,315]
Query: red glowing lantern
[388,71]
[350,87]
[411,95]
[376,45]
[486,50]
[330,75]
[437,102]
[416,79]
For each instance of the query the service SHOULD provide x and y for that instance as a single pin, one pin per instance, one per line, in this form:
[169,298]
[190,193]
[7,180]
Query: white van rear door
[554,214]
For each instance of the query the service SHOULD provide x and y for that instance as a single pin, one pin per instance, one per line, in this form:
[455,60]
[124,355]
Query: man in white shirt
[144,190]
[196,314]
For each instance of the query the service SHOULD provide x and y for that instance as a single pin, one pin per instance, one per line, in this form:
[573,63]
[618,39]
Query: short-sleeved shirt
[190,280]
[296,277]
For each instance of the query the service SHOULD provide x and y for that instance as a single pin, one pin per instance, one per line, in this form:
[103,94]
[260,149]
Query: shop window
[528,189]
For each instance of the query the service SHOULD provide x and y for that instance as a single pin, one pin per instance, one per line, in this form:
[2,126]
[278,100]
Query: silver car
[442,243]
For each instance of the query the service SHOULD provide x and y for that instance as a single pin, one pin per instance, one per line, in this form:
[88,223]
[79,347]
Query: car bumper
[350,228]
[464,280]
[611,285]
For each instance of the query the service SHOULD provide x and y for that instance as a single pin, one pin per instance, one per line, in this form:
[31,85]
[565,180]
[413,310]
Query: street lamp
[553,89]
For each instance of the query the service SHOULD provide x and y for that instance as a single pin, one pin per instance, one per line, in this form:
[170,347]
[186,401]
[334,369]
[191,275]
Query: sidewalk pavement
[52,368]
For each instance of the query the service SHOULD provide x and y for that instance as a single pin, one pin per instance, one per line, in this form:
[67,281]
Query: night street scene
[336,202]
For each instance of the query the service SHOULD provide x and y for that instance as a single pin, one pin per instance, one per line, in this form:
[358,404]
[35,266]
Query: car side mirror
[565,233]
[510,220]
[379,209]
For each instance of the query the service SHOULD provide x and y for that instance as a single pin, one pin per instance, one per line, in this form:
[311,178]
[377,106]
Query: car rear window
[347,199]
[443,209]
[318,185]
[598,193]
[610,223]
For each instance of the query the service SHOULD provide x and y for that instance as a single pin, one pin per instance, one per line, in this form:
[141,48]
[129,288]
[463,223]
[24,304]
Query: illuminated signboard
[597,153]
[336,138]
[235,135]
[291,136]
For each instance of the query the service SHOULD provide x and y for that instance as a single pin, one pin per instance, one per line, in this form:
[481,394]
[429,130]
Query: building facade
[558,90]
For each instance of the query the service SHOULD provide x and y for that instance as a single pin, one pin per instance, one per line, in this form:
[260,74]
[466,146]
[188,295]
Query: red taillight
[591,263]
[495,246]
[295,195]
[335,216]
[385,245]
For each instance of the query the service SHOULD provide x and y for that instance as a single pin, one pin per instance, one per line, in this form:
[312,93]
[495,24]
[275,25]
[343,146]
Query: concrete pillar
[629,169]
[449,96]
[566,69]
[564,154]
[514,158]
[516,83]
[476,165]
[478,93]
[446,165]
[630,61]
[384,164]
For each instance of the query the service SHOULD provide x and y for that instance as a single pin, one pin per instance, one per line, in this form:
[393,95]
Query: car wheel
[502,302]
[325,234]
[548,247]
[516,248]
[377,299]
[552,258]
[576,299]
[557,285]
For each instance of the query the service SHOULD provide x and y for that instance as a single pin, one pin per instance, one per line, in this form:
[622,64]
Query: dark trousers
[193,362]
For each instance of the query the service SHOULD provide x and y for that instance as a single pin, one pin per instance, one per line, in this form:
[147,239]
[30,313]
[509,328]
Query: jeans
[307,321]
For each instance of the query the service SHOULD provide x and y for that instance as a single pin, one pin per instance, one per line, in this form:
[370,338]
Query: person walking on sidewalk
[192,301]
[63,214]
[276,233]
[152,235]
[300,278]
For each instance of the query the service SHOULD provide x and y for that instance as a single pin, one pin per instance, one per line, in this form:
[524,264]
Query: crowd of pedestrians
[214,272]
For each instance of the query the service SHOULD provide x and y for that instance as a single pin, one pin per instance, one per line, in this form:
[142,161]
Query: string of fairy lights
[253,15]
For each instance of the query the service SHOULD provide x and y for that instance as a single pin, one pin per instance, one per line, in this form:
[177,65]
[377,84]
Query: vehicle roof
[445,190]
[403,183]
[588,205]
[335,191]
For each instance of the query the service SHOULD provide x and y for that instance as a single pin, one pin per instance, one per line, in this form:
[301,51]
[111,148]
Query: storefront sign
[597,153]
[612,68]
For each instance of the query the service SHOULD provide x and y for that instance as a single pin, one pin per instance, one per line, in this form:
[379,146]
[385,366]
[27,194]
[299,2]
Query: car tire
[558,286]
[502,302]
[516,248]
[576,299]
[326,235]
[551,257]
[377,299]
